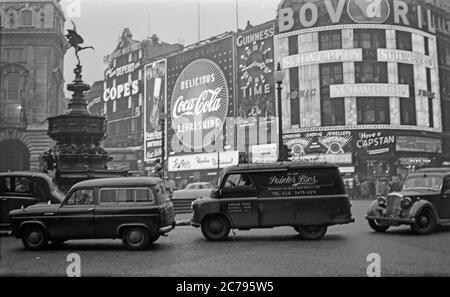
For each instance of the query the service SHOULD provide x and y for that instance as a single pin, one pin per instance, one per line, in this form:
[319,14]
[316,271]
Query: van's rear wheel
[375,225]
[135,238]
[215,228]
[34,237]
[315,232]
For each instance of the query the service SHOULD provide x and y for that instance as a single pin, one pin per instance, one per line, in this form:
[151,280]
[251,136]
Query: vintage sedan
[136,209]
[193,191]
[423,203]
[24,188]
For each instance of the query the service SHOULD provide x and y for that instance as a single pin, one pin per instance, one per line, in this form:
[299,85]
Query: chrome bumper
[392,220]
[167,229]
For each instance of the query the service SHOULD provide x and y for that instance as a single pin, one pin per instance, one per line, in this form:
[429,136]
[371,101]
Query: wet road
[264,252]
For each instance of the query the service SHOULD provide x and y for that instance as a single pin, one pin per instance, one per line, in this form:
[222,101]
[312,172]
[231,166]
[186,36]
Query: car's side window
[108,196]
[238,181]
[446,185]
[5,184]
[125,195]
[22,184]
[81,197]
[144,195]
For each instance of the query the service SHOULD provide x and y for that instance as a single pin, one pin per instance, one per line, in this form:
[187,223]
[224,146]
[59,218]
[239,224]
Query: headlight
[381,200]
[406,203]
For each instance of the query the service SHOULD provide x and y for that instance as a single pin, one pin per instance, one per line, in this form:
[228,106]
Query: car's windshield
[423,182]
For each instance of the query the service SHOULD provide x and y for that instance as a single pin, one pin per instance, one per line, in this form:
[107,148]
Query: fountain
[78,154]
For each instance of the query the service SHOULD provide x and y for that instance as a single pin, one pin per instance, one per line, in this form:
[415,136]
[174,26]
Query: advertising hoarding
[200,97]
[296,15]
[154,104]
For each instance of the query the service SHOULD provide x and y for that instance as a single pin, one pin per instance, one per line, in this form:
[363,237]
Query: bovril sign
[297,15]
[199,103]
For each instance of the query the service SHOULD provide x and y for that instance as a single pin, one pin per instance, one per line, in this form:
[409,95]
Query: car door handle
[48,213]
[90,209]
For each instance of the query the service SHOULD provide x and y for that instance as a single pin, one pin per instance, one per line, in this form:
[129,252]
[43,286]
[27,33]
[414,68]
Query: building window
[369,38]
[11,19]
[26,18]
[294,96]
[427,46]
[13,55]
[329,40]
[293,45]
[373,111]
[332,109]
[371,72]
[404,40]
[430,100]
[407,105]
[12,87]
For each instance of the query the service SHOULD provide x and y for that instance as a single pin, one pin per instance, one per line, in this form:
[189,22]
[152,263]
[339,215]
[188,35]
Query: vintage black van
[308,197]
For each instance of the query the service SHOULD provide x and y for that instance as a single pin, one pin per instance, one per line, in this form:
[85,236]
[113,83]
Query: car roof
[199,183]
[278,166]
[142,181]
[27,173]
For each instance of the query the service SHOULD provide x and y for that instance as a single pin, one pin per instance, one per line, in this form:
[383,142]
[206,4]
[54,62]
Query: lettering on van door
[239,207]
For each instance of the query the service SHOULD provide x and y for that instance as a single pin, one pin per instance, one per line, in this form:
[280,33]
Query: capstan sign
[297,15]
[199,102]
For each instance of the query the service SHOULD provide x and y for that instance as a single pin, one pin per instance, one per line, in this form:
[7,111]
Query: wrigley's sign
[297,15]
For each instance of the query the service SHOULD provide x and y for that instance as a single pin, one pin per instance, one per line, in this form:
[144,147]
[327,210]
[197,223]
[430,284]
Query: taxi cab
[308,197]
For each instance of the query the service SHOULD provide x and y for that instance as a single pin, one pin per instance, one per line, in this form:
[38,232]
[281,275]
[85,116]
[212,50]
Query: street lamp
[279,76]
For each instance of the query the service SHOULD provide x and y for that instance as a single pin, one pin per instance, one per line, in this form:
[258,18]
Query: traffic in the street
[224,138]
[259,252]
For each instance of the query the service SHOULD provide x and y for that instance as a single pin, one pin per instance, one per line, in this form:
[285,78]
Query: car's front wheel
[215,228]
[135,238]
[311,232]
[425,222]
[375,225]
[34,237]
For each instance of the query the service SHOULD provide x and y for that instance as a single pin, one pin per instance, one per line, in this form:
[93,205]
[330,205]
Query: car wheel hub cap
[35,237]
[215,227]
[135,237]
[423,221]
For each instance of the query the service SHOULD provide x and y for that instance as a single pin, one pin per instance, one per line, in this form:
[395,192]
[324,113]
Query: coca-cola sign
[199,103]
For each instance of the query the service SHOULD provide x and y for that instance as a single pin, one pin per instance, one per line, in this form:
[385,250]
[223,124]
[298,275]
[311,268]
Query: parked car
[423,203]
[136,209]
[24,188]
[194,190]
[308,197]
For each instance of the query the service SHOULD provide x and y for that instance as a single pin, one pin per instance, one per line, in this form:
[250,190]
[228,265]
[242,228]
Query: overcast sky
[101,22]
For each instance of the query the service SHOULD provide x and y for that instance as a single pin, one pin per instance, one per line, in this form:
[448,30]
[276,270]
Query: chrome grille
[393,202]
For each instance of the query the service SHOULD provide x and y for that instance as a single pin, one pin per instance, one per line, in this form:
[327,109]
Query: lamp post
[279,76]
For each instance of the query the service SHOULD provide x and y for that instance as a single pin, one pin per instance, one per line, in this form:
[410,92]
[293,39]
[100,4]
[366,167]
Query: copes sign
[199,103]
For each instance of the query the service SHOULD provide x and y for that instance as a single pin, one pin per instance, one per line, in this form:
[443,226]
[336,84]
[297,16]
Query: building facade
[32,48]
[120,97]
[361,86]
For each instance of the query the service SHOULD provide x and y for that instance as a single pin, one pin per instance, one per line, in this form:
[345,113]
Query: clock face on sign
[255,64]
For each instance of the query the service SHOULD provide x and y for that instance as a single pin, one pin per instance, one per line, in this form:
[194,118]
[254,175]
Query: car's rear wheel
[135,238]
[375,225]
[215,228]
[315,232]
[34,237]
[425,222]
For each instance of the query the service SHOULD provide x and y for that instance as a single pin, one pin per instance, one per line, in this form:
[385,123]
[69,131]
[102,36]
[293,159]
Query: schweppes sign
[297,15]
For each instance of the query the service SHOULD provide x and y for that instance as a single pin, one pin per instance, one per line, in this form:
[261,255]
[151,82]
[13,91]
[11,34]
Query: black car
[136,209]
[22,189]
[423,203]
